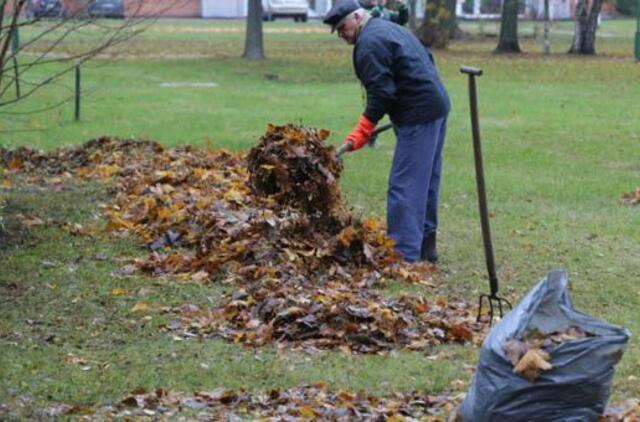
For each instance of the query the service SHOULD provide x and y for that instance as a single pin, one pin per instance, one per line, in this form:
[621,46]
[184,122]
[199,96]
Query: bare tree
[412,14]
[546,47]
[42,47]
[508,41]
[253,45]
[584,38]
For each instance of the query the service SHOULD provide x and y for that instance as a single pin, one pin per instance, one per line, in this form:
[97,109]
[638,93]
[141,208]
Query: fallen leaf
[139,307]
[118,291]
[532,363]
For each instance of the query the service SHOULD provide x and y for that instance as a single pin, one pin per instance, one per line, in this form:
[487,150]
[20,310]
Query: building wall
[163,8]
[224,8]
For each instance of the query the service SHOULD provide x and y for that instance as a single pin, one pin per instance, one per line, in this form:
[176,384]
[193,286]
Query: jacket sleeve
[375,69]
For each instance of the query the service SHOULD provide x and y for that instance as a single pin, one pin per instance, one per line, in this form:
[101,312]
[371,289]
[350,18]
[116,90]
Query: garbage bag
[577,387]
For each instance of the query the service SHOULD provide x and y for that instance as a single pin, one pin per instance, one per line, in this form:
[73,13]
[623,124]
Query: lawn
[560,137]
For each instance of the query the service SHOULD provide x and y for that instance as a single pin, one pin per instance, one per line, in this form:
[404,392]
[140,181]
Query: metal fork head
[493,301]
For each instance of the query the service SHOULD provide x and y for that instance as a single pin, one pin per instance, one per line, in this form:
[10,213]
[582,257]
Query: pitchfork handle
[482,195]
[471,70]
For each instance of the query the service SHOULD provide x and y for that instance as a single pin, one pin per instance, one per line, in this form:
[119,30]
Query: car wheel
[304,18]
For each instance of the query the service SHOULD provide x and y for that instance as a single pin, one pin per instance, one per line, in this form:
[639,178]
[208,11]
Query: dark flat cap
[339,11]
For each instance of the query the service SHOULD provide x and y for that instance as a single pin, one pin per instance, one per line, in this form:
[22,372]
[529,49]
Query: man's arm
[373,66]
[374,62]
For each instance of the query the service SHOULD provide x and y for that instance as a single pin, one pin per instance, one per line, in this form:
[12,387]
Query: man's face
[348,28]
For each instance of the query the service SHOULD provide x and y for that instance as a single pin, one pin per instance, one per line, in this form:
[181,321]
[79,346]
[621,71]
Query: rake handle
[482,194]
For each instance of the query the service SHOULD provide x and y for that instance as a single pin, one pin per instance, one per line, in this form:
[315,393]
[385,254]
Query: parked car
[296,9]
[106,8]
[44,8]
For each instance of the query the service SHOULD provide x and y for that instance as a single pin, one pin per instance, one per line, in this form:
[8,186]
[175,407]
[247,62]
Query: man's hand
[360,134]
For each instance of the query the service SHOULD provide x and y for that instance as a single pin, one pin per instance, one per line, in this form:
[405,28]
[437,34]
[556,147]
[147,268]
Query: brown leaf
[532,363]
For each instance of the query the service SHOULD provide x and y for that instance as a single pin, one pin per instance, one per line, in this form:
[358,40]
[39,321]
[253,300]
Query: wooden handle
[344,148]
[471,70]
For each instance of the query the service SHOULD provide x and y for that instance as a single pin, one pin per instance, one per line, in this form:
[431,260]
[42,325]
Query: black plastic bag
[578,386]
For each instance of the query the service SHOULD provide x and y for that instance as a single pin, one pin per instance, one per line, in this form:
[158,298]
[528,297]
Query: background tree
[42,41]
[584,37]
[412,14]
[253,44]
[439,25]
[508,40]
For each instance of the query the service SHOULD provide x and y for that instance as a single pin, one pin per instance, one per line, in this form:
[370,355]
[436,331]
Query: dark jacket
[399,75]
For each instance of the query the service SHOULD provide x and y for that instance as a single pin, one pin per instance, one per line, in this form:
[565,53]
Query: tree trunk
[546,48]
[412,15]
[584,38]
[508,41]
[452,23]
[253,47]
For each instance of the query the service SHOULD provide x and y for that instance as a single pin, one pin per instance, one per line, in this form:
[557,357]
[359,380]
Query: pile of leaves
[632,198]
[293,166]
[529,355]
[300,403]
[98,159]
[329,317]
[272,226]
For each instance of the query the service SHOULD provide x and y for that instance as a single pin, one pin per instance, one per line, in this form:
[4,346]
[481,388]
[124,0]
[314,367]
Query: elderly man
[401,80]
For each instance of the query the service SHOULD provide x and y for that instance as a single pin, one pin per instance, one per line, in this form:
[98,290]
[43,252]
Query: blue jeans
[414,186]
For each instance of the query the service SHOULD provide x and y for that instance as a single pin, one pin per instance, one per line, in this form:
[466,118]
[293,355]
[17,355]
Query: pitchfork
[492,298]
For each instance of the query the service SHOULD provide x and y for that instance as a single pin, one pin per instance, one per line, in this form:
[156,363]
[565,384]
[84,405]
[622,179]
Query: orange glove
[360,134]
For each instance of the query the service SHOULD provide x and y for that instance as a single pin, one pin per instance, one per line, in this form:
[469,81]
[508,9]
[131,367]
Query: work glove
[360,134]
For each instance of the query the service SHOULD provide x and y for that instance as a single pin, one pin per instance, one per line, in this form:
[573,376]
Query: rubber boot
[428,251]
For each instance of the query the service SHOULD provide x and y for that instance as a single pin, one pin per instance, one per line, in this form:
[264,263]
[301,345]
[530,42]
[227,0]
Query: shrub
[626,7]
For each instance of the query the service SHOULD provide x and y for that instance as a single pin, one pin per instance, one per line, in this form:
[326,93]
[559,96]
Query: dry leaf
[532,363]
[139,307]
[118,291]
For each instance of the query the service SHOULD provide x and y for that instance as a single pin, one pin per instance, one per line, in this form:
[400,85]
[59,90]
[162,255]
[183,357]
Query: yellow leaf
[234,195]
[106,171]
[164,213]
[306,412]
[149,202]
[139,307]
[117,223]
[118,291]
[372,224]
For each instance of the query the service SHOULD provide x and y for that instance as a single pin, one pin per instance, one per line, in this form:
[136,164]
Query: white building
[531,9]
[224,8]
[239,8]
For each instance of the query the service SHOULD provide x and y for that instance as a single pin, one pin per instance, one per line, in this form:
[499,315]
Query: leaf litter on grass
[308,402]
[272,225]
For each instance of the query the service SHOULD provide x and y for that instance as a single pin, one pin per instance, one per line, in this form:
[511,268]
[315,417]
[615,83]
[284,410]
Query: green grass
[560,137]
